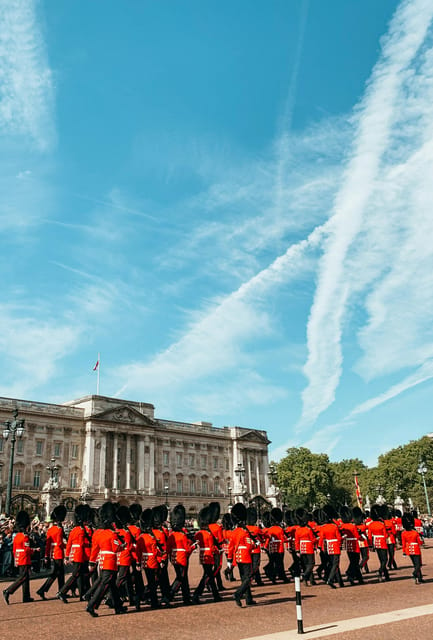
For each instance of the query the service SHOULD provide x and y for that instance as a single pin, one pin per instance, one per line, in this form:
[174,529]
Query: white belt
[204,548]
[147,554]
[111,553]
[332,539]
[76,545]
[243,547]
[178,549]
[350,538]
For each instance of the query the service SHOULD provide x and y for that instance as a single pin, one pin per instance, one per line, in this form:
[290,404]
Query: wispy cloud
[26,83]
[377,113]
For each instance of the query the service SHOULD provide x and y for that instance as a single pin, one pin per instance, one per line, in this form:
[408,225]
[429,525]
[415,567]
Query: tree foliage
[310,479]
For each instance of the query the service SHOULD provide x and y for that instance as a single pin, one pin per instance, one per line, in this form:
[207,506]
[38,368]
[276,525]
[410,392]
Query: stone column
[258,475]
[128,463]
[140,463]
[115,461]
[102,461]
[152,466]
[250,479]
[89,456]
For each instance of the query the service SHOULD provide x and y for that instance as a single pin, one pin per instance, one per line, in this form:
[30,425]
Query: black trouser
[78,577]
[333,567]
[151,577]
[23,581]
[107,582]
[245,571]
[391,556]
[364,559]
[324,561]
[255,557]
[295,567]
[416,561]
[58,571]
[207,578]
[164,582]
[382,555]
[277,566]
[181,581]
[307,561]
[353,570]
[124,581]
[137,579]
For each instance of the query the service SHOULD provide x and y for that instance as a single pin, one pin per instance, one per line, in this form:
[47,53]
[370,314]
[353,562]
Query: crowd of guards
[120,555]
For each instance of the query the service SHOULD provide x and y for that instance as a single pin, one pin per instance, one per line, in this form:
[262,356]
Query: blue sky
[231,202]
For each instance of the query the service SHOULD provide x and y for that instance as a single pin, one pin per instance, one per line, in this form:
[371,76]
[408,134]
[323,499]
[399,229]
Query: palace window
[17,478]
[57,449]
[203,462]
[166,458]
[191,459]
[178,459]
[74,451]
[179,485]
[37,480]
[73,480]
[39,447]
[192,486]
[204,486]
[20,446]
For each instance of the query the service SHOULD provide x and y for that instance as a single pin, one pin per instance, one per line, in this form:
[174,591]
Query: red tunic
[124,559]
[55,545]
[350,536]
[105,546]
[161,537]
[148,553]
[390,530]
[305,540]
[207,547]
[136,533]
[257,537]
[411,543]
[418,526]
[75,545]
[179,548]
[330,539]
[240,546]
[21,550]
[276,539]
[377,534]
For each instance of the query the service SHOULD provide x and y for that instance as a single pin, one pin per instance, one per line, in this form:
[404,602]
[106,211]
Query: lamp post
[240,472]
[15,429]
[422,470]
[229,491]
[166,494]
[52,468]
[1,488]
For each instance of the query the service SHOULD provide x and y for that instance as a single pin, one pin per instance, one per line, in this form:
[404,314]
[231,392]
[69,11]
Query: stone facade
[106,448]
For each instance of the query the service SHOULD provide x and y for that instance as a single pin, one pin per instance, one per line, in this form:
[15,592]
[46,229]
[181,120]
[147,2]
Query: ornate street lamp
[272,473]
[422,470]
[240,472]
[166,494]
[15,429]
[229,491]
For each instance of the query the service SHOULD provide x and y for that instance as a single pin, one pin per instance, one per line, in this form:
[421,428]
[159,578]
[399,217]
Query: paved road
[323,608]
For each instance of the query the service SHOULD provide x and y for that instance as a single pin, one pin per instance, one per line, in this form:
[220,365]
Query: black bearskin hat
[214,511]
[164,512]
[58,514]
[227,521]
[375,512]
[276,515]
[407,521]
[82,514]
[289,518]
[107,514]
[158,516]
[22,520]
[358,516]
[330,512]
[384,511]
[266,519]
[239,512]
[203,518]
[123,514]
[251,515]
[415,513]
[135,510]
[147,520]
[301,516]
[178,516]
[397,513]
[346,514]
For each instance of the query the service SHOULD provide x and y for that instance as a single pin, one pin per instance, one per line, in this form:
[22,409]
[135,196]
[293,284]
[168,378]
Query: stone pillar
[115,461]
[140,464]
[128,463]
[102,461]
[258,474]
[89,456]
[250,479]
[152,466]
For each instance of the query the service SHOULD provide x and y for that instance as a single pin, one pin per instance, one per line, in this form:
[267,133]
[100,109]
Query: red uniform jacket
[377,534]
[21,550]
[276,539]
[390,530]
[305,540]
[179,548]
[411,543]
[148,553]
[240,546]
[418,526]
[136,533]
[330,539]
[124,558]
[256,537]
[55,545]
[207,547]
[350,537]
[75,545]
[161,536]
[105,547]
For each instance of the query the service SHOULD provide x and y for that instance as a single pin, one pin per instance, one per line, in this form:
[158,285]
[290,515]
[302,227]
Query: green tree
[343,480]
[304,477]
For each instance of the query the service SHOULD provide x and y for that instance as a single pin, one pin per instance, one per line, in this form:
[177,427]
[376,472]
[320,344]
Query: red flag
[358,492]
[96,365]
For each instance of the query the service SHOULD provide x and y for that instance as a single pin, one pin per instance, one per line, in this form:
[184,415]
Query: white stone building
[106,448]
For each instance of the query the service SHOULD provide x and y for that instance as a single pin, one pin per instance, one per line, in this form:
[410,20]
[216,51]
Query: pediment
[254,436]
[123,414]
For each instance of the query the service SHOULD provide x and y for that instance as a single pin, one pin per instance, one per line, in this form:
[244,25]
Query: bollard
[299,604]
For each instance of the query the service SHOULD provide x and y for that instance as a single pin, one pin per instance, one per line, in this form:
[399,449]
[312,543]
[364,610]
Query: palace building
[97,448]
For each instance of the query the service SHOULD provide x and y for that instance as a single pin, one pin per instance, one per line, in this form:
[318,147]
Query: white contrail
[323,367]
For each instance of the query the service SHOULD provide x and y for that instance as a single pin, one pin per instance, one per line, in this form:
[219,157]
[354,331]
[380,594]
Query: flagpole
[97,379]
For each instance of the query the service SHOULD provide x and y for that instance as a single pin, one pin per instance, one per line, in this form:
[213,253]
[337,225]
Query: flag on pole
[358,492]
[96,365]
